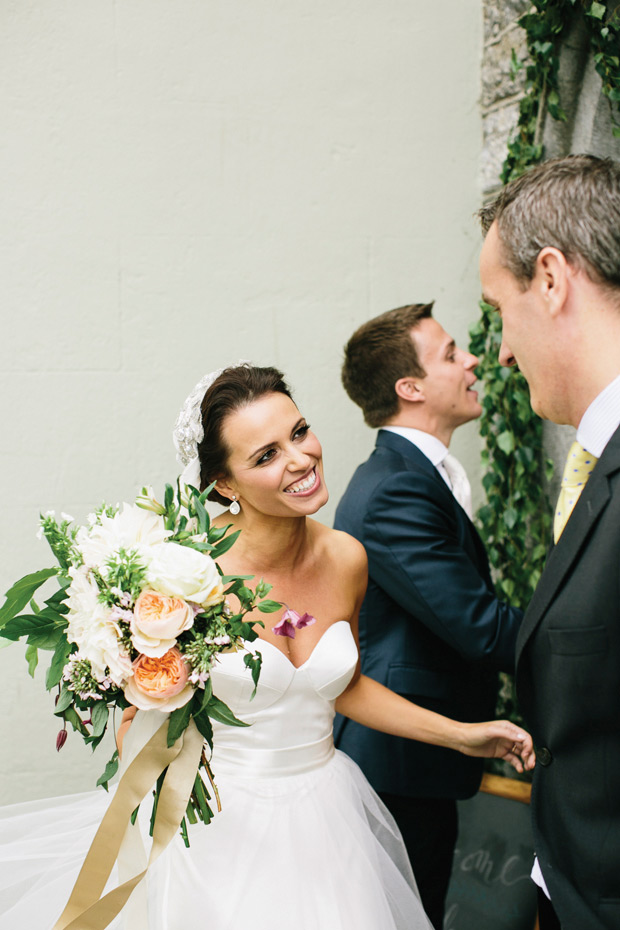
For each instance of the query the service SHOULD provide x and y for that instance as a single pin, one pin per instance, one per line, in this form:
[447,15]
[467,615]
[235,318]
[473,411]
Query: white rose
[179,571]
[92,628]
[130,528]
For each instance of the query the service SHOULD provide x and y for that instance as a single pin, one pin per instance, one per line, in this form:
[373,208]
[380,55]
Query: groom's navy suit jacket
[568,683]
[431,627]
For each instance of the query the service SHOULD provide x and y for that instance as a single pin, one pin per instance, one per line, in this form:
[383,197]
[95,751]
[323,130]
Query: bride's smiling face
[275,464]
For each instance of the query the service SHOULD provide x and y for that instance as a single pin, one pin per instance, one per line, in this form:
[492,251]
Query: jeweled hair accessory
[188,432]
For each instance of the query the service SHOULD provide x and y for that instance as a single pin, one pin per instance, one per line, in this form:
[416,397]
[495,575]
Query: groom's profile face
[525,322]
[448,385]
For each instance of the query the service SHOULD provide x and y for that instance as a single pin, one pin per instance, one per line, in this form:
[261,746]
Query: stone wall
[500,93]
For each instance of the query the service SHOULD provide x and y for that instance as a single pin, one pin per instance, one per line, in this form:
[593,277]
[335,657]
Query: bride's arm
[372,704]
[128,714]
[375,706]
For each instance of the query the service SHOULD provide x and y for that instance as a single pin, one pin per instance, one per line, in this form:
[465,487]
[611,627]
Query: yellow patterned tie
[578,468]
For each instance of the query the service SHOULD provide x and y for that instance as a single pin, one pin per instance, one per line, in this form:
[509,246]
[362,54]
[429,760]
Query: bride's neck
[270,543]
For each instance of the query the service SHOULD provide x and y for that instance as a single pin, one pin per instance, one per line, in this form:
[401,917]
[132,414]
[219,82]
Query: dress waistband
[292,760]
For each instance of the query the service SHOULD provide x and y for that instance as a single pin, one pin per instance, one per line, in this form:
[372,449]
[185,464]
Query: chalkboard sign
[490,887]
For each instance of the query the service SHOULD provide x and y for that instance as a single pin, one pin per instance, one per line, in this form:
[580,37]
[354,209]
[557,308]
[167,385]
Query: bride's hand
[128,714]
[499,739]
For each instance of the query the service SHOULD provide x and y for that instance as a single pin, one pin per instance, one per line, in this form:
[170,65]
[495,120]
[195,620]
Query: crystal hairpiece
[188,432]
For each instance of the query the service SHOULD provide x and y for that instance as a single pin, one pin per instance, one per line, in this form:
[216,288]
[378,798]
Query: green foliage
[544,27]
[604,32]
[22,593]
[515,521]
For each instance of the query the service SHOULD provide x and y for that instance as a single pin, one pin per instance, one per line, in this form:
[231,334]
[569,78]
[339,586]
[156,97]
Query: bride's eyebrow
[269,445]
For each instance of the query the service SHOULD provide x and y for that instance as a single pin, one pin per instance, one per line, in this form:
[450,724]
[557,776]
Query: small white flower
[67,517]
[92,627]
[130,528]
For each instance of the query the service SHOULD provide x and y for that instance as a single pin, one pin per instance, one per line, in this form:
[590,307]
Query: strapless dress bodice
[291,715]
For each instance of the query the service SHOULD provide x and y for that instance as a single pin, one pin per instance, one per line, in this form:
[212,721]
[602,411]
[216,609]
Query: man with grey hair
[550,265]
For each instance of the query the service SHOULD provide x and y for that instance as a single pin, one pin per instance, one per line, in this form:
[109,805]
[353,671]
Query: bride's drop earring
[235,506]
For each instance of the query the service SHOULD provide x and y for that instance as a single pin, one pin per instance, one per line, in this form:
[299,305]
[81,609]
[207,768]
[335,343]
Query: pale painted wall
[186,183]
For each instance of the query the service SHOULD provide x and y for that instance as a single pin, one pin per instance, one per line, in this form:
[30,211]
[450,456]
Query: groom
[550,264]
[431,627]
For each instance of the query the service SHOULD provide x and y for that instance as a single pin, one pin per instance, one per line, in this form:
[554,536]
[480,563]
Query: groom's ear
[410,389]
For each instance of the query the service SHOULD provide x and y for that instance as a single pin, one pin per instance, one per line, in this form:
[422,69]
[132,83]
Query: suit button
[544,756]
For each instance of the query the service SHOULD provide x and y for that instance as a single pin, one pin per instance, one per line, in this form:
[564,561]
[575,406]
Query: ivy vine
[515,521]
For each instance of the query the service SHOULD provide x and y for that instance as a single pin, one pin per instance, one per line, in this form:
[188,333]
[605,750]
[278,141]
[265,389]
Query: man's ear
[410,389]
[552,278]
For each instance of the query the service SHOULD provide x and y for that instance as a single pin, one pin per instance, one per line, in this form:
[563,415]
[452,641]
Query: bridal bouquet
[139,616]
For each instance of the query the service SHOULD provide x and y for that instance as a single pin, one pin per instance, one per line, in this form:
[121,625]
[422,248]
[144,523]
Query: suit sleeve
[416,554]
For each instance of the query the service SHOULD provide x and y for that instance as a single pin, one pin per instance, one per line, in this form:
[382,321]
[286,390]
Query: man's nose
[470,361]
[505,356]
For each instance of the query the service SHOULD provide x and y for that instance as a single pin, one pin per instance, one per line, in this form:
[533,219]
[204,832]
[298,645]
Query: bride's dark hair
[234,388]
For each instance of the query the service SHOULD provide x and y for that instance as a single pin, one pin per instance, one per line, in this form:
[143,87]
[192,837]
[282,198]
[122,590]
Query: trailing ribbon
[86,909]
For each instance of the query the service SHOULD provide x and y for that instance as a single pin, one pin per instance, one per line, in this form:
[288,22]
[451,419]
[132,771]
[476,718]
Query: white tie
[459,481]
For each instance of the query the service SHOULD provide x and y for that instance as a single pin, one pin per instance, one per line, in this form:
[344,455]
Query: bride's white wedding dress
[302,842]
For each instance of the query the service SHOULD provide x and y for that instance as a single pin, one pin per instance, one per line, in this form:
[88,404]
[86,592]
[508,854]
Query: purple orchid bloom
[292,621]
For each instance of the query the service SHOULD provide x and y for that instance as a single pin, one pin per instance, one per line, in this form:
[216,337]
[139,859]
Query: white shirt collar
[429,445]
[601,419]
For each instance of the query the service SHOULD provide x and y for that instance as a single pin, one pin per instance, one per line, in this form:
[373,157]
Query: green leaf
[65,700]
[253,661]
[221,712]
[201,515]
[506,442]
[510,517]
[225,545]
[59,660]
[42,630]
[178,722]
[22,592]
[109,771]
[226,579]
[204,727]
[269,607]
[99,716]
[71,716]
[32,658]
[597,10]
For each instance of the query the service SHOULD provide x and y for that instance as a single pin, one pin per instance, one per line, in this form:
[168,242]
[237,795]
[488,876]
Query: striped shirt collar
[601,419]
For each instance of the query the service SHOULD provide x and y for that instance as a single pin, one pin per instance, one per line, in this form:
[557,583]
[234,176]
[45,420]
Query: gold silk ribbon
[86,908]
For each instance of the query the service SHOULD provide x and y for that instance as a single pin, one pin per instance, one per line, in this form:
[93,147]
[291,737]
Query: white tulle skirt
[312,851]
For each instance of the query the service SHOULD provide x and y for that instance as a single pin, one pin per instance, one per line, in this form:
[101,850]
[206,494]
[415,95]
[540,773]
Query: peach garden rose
[157,622]
[159,683]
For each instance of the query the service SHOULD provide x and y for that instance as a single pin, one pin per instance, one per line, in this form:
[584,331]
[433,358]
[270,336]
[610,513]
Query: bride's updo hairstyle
[234,388]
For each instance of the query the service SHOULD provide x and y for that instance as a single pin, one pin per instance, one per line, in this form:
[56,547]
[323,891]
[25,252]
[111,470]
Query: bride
[302,840]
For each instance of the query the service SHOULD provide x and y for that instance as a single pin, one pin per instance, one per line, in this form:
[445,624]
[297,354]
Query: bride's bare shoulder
[346,549]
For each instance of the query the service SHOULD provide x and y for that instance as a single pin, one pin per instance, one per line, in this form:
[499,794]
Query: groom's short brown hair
[379,353]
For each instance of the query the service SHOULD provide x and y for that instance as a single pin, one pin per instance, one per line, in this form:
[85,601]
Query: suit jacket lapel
[590,505]
[411,452]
